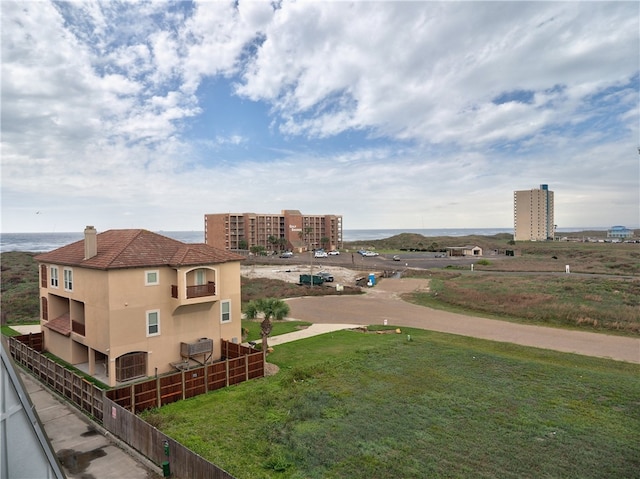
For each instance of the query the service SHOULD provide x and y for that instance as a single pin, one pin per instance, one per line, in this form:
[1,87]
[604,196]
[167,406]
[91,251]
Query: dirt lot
[291,273]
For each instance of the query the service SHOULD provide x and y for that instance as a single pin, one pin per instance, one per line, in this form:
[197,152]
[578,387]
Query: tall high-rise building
[290,230]
[533,214]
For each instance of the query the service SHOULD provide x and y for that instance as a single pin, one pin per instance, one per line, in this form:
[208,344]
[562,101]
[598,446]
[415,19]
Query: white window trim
[222,320]
[149,313]
[68,285]
[146,277]
[54,277]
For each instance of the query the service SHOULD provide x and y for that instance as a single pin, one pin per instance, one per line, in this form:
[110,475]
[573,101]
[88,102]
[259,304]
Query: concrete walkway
[383,302]
[313,330]
[84,449]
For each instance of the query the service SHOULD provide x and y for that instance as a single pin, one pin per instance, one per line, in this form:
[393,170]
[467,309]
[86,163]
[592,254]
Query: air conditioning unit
[201,346]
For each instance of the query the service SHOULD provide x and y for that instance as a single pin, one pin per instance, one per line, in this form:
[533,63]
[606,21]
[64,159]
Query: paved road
[383,302]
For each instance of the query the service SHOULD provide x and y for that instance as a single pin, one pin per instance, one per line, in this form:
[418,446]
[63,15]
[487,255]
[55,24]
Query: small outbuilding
[469,250]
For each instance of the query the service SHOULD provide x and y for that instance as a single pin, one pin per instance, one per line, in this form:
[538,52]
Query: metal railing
[197,291]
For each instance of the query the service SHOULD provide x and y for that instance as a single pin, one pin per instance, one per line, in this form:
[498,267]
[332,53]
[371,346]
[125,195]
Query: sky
[392,114]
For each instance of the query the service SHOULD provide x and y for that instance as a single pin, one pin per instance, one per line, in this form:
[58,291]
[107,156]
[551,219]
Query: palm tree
[307,234]
[273,241]
[270,308]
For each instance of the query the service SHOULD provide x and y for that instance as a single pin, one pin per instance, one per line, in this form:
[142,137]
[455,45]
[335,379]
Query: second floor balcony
[195,286]
[196,291]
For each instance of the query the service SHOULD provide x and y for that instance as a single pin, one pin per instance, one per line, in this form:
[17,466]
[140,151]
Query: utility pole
[307,231]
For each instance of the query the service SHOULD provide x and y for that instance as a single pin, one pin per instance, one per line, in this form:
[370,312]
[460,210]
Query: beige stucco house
[131,302]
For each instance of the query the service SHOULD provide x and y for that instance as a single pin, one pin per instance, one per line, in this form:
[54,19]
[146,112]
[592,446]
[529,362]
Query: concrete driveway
[383,302]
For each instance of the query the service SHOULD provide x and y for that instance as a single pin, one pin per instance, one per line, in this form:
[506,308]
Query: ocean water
[42,242]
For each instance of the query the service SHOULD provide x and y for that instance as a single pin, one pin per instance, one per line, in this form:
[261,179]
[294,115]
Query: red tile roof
[135,249]
[62,324]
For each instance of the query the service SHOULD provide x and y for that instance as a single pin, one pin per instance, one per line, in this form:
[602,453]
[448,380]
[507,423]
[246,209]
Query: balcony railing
[197,291]
[77,328]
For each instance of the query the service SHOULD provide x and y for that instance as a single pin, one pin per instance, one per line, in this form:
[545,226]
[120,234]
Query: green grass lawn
[279,327]
[7,331]
[357,405]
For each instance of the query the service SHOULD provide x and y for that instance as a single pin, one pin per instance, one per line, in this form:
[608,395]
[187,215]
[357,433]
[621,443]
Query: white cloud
[387,110]
[420,70]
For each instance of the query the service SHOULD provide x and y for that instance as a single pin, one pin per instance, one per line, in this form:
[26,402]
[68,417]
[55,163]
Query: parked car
[370,253]
[334,253]
[286,254]
[326,276]
[320,254]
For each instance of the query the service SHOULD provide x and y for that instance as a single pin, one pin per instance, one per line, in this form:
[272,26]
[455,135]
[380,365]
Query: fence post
[183,384]
[226,364]
[206,378]
[158,394]
[133,399]
[246,367]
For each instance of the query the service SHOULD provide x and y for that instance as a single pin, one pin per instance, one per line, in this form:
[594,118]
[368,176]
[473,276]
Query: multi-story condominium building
[533,215]
[132,301]
[290,230]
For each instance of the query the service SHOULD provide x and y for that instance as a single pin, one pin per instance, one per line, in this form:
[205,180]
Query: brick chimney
[90,242]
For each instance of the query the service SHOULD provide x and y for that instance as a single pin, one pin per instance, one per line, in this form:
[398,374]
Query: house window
[201,277]
[151,278]
[225,311]
[43,276]
[45,308]
[68,279]
[131,366]
[54,276]
[153,323]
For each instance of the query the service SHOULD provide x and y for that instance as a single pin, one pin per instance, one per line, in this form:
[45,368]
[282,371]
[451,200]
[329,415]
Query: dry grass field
[594,258]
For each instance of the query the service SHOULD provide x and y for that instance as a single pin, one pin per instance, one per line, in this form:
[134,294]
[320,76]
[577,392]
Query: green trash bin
[166,469]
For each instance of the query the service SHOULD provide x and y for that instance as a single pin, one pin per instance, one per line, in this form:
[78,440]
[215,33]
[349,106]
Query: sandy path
[382,302]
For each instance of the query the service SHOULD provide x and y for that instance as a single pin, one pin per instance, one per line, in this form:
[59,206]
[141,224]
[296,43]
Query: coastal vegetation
[594,302]
[583,256]
[608,304]
[256,288]
[20,300]
[418,404]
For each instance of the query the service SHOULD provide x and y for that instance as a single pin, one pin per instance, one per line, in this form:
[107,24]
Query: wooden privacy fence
[33,340]
[241,364]
[182,462]
[78,390]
